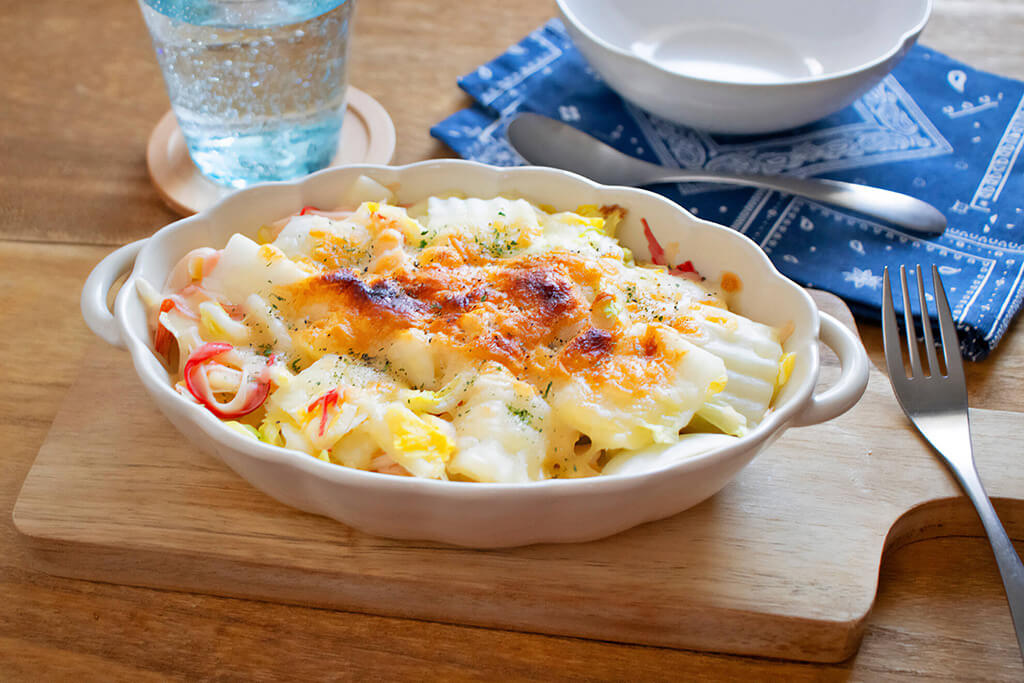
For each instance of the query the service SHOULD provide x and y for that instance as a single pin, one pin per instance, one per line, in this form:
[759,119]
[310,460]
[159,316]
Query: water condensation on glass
[258,86]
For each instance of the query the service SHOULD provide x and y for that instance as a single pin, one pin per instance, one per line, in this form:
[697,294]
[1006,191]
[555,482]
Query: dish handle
[97,287]
[853,380]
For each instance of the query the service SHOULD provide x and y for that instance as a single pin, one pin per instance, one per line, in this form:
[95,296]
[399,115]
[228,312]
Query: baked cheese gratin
[467,339]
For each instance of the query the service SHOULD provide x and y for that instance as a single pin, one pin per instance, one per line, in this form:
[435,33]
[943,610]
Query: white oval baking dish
[475,514]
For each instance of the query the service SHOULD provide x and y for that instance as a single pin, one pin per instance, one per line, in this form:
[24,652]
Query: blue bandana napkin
[934,128]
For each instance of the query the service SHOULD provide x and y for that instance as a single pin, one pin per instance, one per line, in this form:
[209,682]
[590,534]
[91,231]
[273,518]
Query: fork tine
[891,333]
[908,319]
[950,341]
[929,341]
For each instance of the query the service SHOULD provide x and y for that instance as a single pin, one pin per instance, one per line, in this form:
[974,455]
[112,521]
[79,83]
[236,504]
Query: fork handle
[1010,567]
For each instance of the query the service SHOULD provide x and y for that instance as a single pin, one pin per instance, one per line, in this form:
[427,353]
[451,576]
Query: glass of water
[257,86]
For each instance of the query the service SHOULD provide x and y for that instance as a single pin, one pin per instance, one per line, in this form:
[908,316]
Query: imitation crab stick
[251,393]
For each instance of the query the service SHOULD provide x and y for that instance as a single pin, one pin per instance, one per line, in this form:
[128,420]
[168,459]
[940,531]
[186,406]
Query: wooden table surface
[81,91]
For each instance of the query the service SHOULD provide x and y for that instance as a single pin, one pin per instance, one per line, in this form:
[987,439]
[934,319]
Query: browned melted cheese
[612,359]
[539,315]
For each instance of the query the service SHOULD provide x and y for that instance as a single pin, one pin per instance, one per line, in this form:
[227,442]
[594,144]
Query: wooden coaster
[367,137]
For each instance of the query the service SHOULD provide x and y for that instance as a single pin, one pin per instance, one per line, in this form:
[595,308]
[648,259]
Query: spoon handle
[892,207]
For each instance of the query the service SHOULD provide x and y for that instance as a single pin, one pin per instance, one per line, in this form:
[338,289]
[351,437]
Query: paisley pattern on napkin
[934,128]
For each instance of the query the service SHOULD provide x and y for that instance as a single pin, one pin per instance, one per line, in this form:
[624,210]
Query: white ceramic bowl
[470,514]
[743,66]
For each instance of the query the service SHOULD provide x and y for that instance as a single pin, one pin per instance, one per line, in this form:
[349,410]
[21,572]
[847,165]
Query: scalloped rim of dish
[218,431]
[900,44]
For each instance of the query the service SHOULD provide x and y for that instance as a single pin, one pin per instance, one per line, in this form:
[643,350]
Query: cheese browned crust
[483,340]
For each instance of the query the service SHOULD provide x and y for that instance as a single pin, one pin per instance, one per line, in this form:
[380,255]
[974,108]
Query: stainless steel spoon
[546,142]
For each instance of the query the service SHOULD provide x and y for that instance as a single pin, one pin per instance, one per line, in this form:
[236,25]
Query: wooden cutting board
[783,562]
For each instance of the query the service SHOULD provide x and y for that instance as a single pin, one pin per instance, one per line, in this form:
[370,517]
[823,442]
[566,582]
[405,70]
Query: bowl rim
[900,44]
[773,424]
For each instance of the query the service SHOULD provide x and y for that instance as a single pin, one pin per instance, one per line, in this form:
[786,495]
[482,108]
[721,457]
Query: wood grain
[81,93]
[782,563]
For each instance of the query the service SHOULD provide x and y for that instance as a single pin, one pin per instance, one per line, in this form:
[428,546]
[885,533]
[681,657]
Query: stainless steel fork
[936,404]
